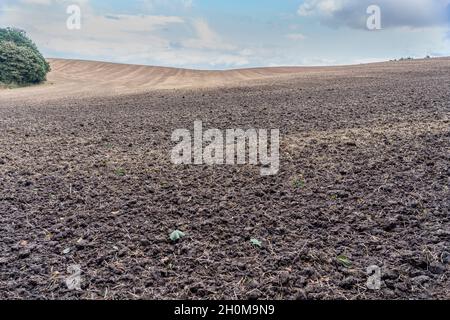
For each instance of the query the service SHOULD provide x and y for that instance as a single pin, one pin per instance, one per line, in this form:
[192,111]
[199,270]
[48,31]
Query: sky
[225,34]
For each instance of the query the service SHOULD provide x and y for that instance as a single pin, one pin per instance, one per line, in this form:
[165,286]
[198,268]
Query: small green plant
[298,183]
[120,172]
[334,197]
[176,235]
[345,261]
[256,243]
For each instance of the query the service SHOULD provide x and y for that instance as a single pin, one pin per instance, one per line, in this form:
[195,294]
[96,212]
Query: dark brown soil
[365,174]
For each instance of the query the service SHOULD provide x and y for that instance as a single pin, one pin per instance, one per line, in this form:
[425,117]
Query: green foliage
[298,184]
[176,235]
[17,36]
[120,172]
[20,61]
[256,243]
[345,261]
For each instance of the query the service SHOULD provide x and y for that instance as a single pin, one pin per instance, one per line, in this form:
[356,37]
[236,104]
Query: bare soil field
[86,179]
[78,79]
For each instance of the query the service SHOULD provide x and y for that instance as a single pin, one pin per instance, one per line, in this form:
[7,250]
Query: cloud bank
[394,13]
[128,38]
[223,35]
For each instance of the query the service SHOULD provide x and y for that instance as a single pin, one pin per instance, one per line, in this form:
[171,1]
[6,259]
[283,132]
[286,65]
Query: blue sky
[222,34]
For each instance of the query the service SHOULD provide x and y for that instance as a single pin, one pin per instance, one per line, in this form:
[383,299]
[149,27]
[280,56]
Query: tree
[20,60]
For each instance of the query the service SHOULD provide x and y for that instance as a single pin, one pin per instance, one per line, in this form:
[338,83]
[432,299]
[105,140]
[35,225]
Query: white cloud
[173,4]
[176,39]
[325,7]
[206,38]
[394,13]
[139,39]
[40,2]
